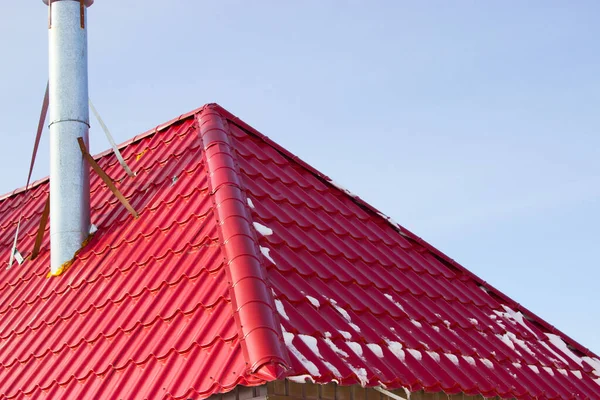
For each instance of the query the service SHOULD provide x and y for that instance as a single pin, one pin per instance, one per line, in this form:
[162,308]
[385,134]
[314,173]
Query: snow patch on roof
[250,203]
[469,359]
[434,355]
[344,314]
[306,363]
[562,346]
[534,368]
[281,309]
[452,358]
[487,363]
[356,347]
[263,230]
[346,335]
[360,373]
[519,318]
[594,363]
[311,343]
[313,301]
[548,370]
[376,349]
[390,298]
[473,321]
[435,328]
[577,374]
[265,252]
[301,378]
[396,349]
[416,354]
[327,334]
[335,349]
[416,323]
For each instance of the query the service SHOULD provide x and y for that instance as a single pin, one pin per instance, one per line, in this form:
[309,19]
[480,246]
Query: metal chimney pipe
[69,120]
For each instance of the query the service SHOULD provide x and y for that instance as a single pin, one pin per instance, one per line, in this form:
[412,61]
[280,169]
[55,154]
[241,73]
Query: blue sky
[474,124]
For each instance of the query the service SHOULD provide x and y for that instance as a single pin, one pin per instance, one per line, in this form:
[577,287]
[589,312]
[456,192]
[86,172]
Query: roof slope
[246,265]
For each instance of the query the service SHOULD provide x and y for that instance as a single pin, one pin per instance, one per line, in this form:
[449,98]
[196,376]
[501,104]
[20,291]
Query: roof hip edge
[252,302]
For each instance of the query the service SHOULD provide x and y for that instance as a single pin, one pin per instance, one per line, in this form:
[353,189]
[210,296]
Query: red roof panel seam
[260,334]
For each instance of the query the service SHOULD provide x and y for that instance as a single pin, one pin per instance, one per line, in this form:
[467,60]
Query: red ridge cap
[253,304]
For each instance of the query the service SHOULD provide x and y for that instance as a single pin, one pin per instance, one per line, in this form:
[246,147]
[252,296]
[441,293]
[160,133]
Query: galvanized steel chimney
[69,120]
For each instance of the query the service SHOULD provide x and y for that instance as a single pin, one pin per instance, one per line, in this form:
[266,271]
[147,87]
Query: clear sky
[472,123]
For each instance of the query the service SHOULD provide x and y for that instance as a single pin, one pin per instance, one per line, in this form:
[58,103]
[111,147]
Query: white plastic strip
[13,250]
[388,393]
[111,140]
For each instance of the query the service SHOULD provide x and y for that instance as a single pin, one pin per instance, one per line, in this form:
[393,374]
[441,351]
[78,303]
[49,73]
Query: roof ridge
[253,304]
[442,257]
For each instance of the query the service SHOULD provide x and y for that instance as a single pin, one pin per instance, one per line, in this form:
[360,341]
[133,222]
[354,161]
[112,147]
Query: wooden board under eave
[289,390]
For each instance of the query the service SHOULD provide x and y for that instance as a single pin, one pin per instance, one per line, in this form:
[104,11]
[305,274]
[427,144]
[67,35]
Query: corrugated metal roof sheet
[181,302]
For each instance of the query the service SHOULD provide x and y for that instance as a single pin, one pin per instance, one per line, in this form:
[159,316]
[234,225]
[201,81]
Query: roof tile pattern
[244,263]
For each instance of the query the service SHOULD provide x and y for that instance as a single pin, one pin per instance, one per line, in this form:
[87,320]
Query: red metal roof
[247,265]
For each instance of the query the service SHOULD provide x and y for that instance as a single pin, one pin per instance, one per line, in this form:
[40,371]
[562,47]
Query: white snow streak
[346,335]
[336,349]
[376,349]
[250,203]
[313,301]
[416,354]
[263,230]
[309,365]
[356,347]
[265,252]
[434,355]
[469,359]
[396,349]
[452,358]
[416,323]
[281,309]
[534,368]
[390,298]
[487,363]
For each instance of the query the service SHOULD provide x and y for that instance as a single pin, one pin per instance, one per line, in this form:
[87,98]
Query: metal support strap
[106,178]
[41,229]
[111,140]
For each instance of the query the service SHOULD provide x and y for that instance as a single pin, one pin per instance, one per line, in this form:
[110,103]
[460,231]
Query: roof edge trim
[253,304]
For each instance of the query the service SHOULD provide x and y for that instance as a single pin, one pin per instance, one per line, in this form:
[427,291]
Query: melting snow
[354,326]
[594,363]
[396,349]
[452,358]
[376,349]
[416,323]
[313,301]
[517,365]
[469,359]
[563,371]
[265,251]
[548,370]
[311,342]
[346,335]
[361,374]
[343,189]
[487,363]
[534,369]
[301,378]
[435,328]
[473,321]
[327,334]
[518,316]
[309,365]
[562,346]
[263,230]
[281,309]
[577,374]
[356,347]
[250,203]
[434,355]
[336,349]
[415,353]
[390,298]
[447,323]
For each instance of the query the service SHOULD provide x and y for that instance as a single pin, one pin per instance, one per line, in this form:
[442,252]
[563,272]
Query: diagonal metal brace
[106,178]
[41,229]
